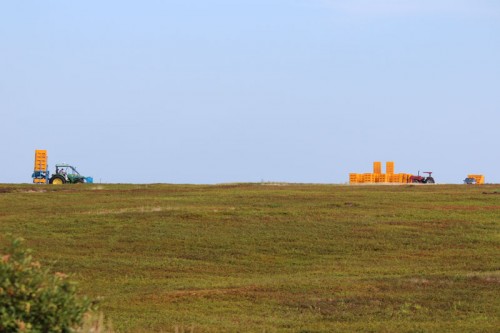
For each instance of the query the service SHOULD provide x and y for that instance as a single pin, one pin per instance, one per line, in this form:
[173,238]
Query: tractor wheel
[429,180]
[78,181]
[57,180]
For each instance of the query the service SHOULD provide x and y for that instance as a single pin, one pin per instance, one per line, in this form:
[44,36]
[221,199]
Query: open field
[270,258]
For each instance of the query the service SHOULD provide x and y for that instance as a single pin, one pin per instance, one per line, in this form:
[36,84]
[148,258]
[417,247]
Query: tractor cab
[68,172]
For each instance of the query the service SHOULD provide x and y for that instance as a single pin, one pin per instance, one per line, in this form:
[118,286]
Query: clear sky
[214,91]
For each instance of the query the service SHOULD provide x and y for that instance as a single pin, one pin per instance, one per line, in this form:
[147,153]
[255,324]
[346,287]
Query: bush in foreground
[32,299]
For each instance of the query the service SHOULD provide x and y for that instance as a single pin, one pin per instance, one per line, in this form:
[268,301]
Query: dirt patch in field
[343,307]
[202,293]
[467,208]
[5,190]
[487,277]
[34,191]
[419,281]
[128,210]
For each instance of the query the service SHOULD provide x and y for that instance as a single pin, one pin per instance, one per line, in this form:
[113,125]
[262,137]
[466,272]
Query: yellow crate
[377,167]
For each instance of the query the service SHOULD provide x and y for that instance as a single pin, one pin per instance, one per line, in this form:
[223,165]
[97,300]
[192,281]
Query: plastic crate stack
[40,171]
[378,177]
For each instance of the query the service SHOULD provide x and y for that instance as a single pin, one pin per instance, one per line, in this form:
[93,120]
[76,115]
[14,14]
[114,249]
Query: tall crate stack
[40,170]
[389,168]
[378,177]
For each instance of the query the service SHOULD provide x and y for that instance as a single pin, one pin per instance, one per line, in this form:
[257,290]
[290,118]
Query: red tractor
[421,179]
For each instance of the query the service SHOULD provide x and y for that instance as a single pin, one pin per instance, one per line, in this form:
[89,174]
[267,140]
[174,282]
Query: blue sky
[246,91]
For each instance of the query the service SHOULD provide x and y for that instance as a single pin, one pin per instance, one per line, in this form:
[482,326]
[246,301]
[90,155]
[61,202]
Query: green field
[271,258]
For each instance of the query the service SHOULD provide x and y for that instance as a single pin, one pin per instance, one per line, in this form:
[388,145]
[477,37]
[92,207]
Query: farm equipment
[421,179]
[40,171]
[66,173]
[470,181]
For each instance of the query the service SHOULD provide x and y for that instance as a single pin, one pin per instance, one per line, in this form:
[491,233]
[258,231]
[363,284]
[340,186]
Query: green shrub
[32,299]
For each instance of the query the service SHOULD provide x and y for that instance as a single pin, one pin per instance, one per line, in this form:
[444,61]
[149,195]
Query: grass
[271,258]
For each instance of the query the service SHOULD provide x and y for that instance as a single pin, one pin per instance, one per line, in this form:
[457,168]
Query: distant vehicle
[66,173]
[470,181]
[422,179]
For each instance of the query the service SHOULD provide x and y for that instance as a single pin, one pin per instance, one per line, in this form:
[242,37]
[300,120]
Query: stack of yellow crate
[353,178]
[368,178]
[407,178]
[392,178]
[40,165]
[378,177]
[389,168]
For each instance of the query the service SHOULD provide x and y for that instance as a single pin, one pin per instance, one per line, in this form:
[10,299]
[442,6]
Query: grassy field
[271,258]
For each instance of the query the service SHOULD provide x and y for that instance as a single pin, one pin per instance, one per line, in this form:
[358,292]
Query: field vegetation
[271,257]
